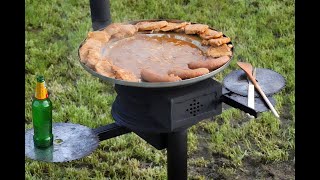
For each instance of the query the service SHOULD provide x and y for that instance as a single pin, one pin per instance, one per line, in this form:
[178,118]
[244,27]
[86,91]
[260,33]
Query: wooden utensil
[247,68]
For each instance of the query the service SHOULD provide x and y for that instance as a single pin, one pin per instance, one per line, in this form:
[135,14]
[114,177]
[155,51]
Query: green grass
[263,34]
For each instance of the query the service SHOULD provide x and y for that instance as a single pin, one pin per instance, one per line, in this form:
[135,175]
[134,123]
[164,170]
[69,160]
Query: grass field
[229,147]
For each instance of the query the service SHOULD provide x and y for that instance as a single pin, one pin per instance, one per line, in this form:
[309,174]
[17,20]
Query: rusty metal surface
[195,41]
[70,142]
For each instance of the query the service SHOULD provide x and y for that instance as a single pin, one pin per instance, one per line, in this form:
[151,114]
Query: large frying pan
[191,38]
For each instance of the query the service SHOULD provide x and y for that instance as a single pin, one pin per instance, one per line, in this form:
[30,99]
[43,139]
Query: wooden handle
[255,83]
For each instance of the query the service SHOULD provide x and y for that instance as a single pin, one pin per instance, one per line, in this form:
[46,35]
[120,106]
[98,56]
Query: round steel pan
[159,84]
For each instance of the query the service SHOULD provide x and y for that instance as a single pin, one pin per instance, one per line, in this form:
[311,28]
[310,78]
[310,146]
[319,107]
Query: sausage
[188,73]
[150,76]
[210,63]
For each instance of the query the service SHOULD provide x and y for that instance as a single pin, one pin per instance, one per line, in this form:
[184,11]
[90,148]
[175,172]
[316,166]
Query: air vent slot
[194,107]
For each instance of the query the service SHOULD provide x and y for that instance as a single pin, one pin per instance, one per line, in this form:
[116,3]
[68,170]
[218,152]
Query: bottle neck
[41,91]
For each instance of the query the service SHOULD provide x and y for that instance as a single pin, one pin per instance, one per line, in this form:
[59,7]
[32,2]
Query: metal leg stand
[177,155]
[100,13]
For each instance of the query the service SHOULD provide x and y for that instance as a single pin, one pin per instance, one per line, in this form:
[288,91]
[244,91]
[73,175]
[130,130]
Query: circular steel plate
[269,81]
[196,41]
[70,142]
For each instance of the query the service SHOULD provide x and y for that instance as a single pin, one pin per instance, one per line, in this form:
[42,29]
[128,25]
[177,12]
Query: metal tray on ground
[70,142]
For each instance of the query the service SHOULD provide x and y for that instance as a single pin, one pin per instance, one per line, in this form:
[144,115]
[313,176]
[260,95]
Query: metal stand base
[177,155]
[70,142]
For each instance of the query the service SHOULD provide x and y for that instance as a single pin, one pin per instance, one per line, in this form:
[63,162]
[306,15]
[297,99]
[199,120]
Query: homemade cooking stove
[159,113]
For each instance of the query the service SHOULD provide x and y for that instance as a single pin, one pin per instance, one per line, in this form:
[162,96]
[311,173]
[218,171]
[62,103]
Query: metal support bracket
[110,131]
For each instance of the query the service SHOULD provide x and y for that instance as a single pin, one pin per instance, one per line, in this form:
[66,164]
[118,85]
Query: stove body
[164,110]
[162,116]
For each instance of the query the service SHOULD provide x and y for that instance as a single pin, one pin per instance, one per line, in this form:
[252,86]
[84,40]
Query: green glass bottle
[42,116]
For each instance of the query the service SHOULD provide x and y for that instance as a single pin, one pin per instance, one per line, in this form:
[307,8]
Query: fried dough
[123,74]
[87,45]
[101,36]
[216,42]
[223,50]
[104,67]
[195,28]
[210,34]
[174,26]
[93,57]
[145,25]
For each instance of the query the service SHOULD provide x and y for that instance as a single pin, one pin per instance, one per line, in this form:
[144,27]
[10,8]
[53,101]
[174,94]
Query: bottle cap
[40,78]
[41,90]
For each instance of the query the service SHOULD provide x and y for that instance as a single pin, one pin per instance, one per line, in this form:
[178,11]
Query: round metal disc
[192,38]
[269,81]
[70,142]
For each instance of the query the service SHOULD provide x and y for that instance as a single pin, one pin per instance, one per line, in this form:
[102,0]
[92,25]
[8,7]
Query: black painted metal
[177,155]
[241,102]
[110,131]
[100,14]
[159,141]
[165,110]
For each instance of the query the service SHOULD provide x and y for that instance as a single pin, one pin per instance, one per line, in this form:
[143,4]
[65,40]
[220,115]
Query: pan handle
[100,14]
[235,104]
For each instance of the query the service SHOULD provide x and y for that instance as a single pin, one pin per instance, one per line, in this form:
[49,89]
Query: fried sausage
[210,63]
[150,76]
[188,73]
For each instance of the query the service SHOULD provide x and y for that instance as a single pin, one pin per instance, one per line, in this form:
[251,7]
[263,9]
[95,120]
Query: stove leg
[177,155]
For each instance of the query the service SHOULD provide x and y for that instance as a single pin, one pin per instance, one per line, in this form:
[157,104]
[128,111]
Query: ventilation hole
[198,110]
[194,100]
[201,105]
[194,114]
[194,103]
[198,103]
[198,106]
[187,110]
[190,104]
